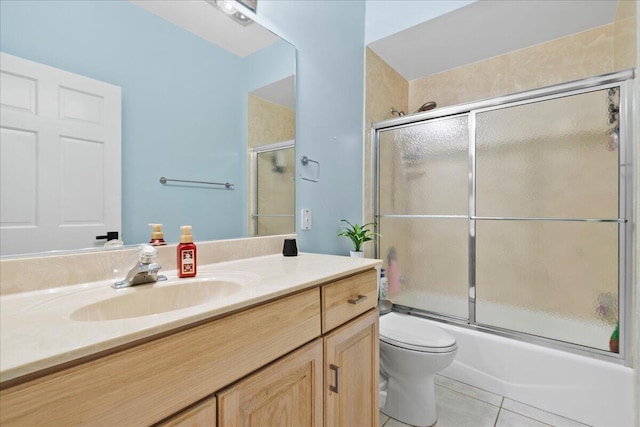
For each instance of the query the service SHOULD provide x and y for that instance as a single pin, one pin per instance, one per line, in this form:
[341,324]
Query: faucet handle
[147,254]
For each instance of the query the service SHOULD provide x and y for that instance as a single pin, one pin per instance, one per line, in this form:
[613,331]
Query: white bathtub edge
[584,389]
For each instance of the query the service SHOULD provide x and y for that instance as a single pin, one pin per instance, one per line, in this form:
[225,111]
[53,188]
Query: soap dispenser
[157,237]
[187,260]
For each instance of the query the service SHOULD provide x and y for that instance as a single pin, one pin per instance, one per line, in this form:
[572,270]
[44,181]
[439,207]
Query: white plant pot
[356,254]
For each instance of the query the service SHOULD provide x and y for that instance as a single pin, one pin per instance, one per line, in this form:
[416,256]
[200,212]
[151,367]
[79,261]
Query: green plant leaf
[357,233]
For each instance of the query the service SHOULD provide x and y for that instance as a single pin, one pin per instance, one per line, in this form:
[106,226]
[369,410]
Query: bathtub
[587,390]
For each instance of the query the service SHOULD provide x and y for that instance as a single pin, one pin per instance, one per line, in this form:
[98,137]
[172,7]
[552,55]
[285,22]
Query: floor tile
[383,419]
[511,419]
[539,414]
[468,390]
[395,423]
[462,405]
[458,410]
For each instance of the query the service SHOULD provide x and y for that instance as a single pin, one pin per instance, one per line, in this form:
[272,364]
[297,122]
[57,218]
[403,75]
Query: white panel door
[60,136]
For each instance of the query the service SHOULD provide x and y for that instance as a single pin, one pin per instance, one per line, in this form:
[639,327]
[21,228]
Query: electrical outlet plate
[305,219]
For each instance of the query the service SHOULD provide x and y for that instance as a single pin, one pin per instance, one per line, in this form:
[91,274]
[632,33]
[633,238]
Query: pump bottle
[157,237]
[187,259]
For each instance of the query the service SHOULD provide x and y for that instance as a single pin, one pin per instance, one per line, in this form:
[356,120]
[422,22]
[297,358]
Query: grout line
[495,424]
[473,397]
[546,412]
[472,386]
[531,418]
[466,396]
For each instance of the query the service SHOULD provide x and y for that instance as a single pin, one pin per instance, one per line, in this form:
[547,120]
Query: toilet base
[417,408]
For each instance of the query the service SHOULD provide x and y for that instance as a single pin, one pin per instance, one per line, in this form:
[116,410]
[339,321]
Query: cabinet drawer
[147,383]
[201,415]
[347,298]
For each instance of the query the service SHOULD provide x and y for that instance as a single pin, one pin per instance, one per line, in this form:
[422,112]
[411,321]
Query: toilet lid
[413,333]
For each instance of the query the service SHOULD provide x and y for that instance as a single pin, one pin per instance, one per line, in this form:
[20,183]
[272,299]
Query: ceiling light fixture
[229,8]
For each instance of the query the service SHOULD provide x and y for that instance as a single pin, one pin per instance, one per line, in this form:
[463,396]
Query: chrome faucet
[145,271]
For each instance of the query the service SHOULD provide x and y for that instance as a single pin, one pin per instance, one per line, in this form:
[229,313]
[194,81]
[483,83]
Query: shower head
[429,105]
[394,111]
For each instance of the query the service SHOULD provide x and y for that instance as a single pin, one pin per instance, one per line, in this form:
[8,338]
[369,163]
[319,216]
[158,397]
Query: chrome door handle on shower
[336,370]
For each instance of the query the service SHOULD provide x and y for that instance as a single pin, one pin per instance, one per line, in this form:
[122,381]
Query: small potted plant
[358,235]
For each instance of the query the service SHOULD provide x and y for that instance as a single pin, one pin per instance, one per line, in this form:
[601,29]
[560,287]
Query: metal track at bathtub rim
[623,79]
[515,335]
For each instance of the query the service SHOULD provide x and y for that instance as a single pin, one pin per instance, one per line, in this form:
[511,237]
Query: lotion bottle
[157,237]
[187,260]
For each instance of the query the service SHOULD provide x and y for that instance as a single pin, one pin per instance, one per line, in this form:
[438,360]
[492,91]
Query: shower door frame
[254,216]
[621,79]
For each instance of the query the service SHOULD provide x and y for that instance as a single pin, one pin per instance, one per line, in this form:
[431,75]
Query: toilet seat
[415,334]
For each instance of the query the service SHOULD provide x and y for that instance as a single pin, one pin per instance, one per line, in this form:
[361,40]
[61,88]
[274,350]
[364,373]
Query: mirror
[184,102]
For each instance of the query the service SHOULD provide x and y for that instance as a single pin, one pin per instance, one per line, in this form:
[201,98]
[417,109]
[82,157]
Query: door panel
[287,393]
[60,145]
[351,373]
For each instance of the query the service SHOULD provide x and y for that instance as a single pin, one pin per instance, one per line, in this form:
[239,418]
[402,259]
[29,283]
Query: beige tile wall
[574,57]
[385,88]
[625,37]
[601,50]
[269,122]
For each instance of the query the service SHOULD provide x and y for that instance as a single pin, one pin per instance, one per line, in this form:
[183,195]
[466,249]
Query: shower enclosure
[272,189]
[512,215]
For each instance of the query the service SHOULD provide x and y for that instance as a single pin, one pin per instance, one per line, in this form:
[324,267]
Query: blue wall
[182,106]
[329,38]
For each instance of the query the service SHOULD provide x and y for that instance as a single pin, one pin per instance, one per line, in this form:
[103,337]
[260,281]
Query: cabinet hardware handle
[336,370]
[357,300]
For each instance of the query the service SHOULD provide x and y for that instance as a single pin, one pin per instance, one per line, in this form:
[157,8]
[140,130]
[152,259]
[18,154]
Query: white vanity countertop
[37,331]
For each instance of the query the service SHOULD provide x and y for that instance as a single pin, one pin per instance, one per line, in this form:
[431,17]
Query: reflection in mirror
[184,72]
[271,141]
[273,189]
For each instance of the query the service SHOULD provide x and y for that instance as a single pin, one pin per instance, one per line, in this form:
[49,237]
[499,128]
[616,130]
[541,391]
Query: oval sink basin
[161,297]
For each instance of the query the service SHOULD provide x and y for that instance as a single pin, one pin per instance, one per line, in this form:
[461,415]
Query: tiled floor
[461,405]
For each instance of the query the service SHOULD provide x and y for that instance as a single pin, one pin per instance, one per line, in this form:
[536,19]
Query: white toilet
[411,352]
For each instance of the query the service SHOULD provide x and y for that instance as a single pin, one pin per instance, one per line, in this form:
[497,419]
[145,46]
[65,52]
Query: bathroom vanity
[296,345]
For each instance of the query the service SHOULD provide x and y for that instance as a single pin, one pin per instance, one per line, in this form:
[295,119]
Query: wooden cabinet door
[287,393]
[351,373]
[202,414]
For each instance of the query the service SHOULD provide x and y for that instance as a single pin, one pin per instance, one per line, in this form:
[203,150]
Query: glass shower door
[547,224]
[274,190]
[512,215]
[423,214]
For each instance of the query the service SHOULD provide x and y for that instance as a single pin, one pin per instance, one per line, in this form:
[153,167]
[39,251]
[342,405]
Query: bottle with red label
[187,256]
